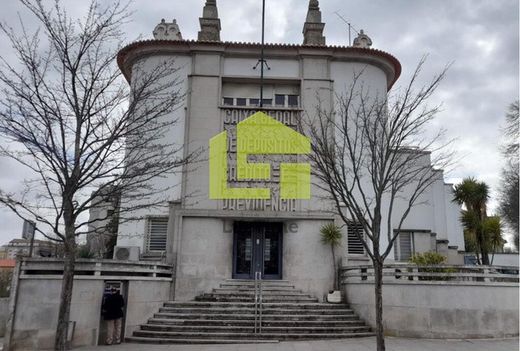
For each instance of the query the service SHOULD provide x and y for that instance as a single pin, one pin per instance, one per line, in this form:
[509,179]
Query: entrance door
[257,247]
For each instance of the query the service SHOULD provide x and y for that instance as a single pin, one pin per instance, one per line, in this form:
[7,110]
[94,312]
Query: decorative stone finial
[362,40]
[209,22]
[313,27]
[167,31]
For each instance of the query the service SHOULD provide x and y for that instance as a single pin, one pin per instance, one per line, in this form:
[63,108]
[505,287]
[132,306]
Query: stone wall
[440,309]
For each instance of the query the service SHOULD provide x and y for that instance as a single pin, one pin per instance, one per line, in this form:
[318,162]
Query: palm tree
[474,195]
[492,228]
[331,235]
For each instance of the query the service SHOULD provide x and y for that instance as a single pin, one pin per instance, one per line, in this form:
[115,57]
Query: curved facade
[212,240]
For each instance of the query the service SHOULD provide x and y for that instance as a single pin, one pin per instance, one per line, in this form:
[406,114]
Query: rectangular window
[404,246]
[293,100]
[254,102]
[156,234]
[228,101]
[241,101]
[354,244]
[268,102]
[279,100]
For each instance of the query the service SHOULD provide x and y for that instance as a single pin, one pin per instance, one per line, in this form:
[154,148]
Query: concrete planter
[334,296]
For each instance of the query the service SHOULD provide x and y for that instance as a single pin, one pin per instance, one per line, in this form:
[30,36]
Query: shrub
[431,259]
[427,259]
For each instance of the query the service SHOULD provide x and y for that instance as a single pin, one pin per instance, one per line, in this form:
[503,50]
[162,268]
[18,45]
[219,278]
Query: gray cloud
[480,37]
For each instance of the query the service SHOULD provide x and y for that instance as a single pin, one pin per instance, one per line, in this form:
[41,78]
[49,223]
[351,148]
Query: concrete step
[252,281]
[250,298]
[246,336]
[227,316]
[265,311]
[154,340]
[276,305]
[266,317]
[265,290]
[252,286]
[250,329]
[291,292]
[251,322]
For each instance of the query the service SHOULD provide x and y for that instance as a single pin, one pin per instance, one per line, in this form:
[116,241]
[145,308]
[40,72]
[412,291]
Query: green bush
[428,259]
[431,259]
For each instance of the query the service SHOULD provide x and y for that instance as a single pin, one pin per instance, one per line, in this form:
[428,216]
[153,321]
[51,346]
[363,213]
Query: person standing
[112,310]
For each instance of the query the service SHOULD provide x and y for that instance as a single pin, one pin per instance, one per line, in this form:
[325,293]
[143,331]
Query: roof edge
[142,44]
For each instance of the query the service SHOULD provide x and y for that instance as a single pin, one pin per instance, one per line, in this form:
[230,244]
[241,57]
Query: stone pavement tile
[358,344]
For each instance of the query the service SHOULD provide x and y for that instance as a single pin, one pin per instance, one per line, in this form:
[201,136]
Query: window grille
[279,100]
[404,247]
[354,244]
[293,100]
[156,234]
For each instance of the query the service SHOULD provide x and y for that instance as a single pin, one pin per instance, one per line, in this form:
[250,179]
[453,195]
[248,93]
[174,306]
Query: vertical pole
[262,58]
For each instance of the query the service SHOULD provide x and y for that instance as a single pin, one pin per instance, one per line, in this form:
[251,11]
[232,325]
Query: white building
[208,240]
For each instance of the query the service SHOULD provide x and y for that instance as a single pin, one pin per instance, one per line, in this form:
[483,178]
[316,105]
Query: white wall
[505,259]
[440,310]
[132,233]
[454,225]
[279,68]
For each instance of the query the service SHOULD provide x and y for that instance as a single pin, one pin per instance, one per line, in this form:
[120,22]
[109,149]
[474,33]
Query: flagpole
[262,58]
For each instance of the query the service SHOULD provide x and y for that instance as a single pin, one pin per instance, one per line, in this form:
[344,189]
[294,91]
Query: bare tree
[369,154]
[509,183]
[70,117]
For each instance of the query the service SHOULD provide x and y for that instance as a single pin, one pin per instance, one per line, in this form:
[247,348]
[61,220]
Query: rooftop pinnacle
[209,22]
[313,27]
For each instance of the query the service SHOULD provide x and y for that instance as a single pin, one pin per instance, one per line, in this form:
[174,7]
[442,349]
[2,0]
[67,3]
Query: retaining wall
[439,309]
[37,296]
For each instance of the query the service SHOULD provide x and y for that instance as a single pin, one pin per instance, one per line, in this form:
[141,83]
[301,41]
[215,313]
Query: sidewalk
[358,344]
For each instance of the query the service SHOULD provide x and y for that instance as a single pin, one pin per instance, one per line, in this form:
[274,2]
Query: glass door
[257,246]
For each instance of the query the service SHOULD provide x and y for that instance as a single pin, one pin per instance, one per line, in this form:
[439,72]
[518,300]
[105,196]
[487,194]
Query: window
[241,102]
[156,234]
[293,100]
[268,102]
[254,102]
[354,244]
[228,101]
[404,246]
[279,100]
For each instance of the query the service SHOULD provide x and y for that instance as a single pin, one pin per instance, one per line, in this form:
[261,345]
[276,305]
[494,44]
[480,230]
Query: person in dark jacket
[113,314]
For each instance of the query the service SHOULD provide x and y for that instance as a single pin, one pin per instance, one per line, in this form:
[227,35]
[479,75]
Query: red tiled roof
[7,263]
[121,56]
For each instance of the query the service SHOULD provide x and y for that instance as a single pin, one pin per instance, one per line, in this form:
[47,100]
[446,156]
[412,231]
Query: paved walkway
[358,344]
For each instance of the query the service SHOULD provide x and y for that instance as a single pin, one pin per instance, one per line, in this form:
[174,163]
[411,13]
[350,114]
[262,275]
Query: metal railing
[410,273]
[258,302]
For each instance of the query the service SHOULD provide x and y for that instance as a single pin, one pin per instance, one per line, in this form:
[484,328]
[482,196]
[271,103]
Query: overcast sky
[480,37]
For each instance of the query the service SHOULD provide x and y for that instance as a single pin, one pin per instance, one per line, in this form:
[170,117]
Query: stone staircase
[227,316]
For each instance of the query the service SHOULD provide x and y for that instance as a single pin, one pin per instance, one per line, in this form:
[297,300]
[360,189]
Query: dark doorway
[257,247]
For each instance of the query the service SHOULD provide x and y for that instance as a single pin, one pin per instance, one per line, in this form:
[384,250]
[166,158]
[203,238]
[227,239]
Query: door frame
[257,252]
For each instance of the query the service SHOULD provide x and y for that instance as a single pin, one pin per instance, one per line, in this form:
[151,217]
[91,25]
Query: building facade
[210,240]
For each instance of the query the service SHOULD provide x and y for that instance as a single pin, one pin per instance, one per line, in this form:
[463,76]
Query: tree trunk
[485,256]
[378,288]
[335,268]
[69,244]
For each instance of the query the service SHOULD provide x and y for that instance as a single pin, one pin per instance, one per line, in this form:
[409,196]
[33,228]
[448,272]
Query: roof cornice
[384,60]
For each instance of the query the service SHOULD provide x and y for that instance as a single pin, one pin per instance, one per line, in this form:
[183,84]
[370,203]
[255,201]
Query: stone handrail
[95,268]
[412,273]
